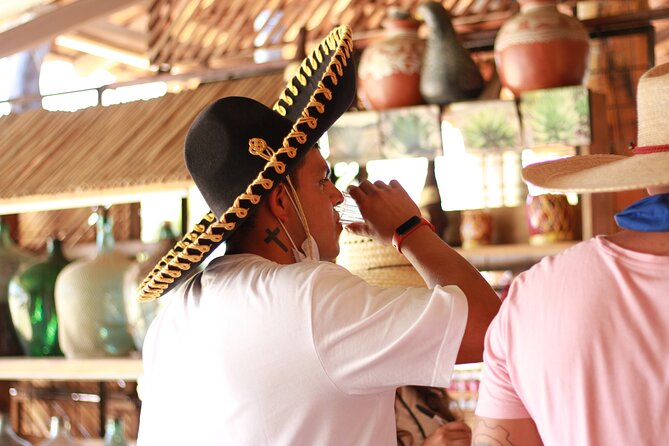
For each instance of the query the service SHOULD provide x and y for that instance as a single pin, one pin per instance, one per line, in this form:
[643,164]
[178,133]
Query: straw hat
[648,166]
[238,150]
[377,264]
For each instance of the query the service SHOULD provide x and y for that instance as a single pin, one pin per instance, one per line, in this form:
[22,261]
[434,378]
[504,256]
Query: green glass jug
[32,304]
[11,259]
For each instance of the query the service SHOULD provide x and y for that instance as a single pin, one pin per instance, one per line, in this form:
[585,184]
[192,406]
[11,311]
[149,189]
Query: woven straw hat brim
[600,173]
[378,264]
[392,276]
[321,90]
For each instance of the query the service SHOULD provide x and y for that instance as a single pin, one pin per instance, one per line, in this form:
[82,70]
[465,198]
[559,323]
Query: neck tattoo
[272,237]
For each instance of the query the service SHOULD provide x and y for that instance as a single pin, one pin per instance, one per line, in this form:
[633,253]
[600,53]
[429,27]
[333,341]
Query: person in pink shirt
[577,354]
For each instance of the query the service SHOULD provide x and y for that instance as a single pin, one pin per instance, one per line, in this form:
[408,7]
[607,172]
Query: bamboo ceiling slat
[235,12]
[204,33]
[288,27]
[109,148]
[239,29]
[209,30]
[177,16]
[181,33]
[272,10]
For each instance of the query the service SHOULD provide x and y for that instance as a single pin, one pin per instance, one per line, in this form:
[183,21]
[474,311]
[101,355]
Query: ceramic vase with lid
[89,301]
[59,433]
[448,73]
[140,314]
[32,303]
[389,70]
[11,259]
[541,48]
[7,435]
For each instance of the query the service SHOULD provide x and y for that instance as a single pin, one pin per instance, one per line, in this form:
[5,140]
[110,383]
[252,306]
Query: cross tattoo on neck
[272,237]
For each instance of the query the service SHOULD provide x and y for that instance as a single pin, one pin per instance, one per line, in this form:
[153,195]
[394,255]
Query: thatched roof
[52,160]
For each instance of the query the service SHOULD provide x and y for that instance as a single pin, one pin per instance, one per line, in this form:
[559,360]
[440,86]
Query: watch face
[407,225]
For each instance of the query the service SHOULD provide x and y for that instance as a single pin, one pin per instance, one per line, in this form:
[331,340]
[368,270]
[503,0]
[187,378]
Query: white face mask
[309,249]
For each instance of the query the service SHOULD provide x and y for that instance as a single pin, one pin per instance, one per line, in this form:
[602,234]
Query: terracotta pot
[541,48]
[389,70]
[476,228]
[549,219]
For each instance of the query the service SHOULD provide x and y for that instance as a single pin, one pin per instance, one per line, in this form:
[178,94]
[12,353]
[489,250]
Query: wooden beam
[55,22]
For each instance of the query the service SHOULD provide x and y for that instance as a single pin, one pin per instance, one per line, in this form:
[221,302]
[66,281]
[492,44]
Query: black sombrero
[238,150]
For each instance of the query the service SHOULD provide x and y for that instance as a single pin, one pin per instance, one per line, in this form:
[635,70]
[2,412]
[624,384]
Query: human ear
[278,203]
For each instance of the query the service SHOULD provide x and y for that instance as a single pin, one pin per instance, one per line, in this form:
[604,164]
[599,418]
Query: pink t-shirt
[581,345]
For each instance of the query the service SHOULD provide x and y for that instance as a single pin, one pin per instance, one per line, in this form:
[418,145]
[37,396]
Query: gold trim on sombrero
[193,247]
[340,41]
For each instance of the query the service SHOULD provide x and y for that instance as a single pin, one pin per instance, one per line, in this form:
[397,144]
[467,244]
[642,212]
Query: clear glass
[348,210]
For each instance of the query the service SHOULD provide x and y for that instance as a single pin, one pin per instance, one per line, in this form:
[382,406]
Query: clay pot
[389,70]
[541,48]
[476,228]
[449,73]
[549,219]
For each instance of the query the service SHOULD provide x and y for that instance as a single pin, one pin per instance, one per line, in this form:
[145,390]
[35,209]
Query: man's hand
[455,433]
[384,206]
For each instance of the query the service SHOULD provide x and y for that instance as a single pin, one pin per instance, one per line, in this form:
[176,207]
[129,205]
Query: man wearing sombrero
[272,344]
[578,352]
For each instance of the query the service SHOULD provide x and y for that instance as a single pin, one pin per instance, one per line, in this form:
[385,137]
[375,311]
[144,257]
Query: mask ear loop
[300,214]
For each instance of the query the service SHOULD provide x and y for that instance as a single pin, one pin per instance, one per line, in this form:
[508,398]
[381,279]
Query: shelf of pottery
[478,149]
[424,99]
[98,316]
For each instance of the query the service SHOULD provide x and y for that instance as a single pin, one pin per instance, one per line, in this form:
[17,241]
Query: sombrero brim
[599,173]
[321,90]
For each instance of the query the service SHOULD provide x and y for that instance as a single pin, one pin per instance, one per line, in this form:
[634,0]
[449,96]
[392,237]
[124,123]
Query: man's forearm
[439,264]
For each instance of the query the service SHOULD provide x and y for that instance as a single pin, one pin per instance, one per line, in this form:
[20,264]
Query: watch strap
[408,227]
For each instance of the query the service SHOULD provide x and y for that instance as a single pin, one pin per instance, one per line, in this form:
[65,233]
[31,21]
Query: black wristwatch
[407,228]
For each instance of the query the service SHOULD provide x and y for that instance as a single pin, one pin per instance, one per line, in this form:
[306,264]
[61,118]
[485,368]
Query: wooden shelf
[491,257]
[62,369]
[517,256]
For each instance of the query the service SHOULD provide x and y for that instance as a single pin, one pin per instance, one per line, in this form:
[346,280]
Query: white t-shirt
[251,352]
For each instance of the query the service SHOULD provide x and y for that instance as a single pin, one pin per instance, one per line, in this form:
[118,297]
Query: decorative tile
[410,132]
[556,116]
[485,125]
[355,137]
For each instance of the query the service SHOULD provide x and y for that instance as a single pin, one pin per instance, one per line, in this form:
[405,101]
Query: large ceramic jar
[89,302]
[33,306]
[11,259]
[140,314]
[541,48]
[389,70]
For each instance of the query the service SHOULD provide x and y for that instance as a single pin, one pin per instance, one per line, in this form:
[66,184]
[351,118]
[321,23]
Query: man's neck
[271,251]
[656,243]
